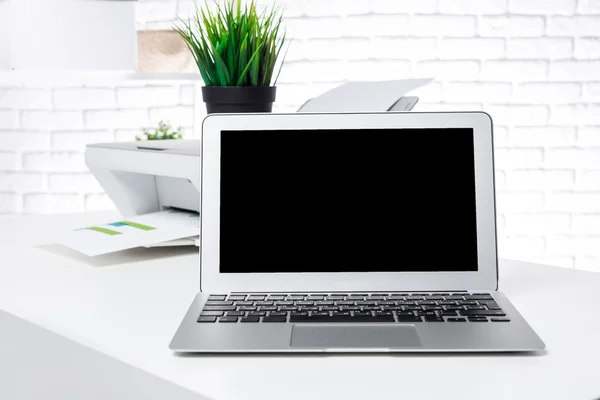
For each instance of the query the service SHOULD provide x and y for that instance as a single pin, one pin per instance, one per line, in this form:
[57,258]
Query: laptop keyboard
[351,308]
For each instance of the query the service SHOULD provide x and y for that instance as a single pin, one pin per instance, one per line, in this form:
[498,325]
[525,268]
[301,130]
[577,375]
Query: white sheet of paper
[132,232]
[363,96]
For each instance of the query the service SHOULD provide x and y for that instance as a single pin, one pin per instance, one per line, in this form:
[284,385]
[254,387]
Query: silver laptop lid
[384,201]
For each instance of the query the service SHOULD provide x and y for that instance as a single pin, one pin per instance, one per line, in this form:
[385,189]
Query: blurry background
[534,65]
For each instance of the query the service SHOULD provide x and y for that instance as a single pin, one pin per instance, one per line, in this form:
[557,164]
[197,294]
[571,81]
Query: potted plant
[164,131]
[236,49]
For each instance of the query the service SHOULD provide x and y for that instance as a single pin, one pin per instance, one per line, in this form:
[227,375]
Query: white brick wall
[564,7]
[148,96]
[78,98]
[533,64]
[511,26]
[44,130]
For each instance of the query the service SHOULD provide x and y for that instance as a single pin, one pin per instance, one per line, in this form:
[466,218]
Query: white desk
[130,312]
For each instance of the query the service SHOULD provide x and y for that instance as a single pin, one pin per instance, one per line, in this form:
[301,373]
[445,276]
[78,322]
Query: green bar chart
[103,230]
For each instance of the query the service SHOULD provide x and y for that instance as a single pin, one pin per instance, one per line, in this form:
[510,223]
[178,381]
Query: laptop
[350,233]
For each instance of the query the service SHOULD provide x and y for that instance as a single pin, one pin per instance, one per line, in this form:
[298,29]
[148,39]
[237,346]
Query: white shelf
[68,34]
[57,77]
[164,76]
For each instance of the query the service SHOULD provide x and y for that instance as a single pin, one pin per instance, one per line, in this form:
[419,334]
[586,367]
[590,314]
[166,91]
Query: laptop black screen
[348,201]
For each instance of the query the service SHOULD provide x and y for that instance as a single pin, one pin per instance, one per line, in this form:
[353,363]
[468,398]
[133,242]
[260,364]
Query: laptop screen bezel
[485,278]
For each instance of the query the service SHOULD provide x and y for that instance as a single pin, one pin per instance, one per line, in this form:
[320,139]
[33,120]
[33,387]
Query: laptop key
[228,319]
[257,313]
[343,313]
[277,314]
[219,303]
[236,297]
[218,308]
[406,318]
[456,320]
[366,303]
[248,308]
[500,319]
[212,313]
[250,319]
[477,319]
[276,297]
[396,297]
[491,305]
[309,308]
[217,297]
[275,318]
[435,297]
[483,313]
[405,313]
[256,297]
[432,318]
[236,314]
[382,313]
[362,314]
[479,297]
[342,318]
[288,308]
[448,312]
[206,319]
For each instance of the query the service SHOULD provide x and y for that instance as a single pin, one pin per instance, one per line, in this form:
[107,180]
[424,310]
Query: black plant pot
[238,99]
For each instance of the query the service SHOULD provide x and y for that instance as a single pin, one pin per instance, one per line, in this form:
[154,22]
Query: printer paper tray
[190,241]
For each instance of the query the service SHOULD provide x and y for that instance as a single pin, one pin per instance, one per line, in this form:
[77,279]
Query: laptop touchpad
[355,336]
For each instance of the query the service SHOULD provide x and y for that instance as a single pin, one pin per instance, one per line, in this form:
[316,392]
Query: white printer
[145,177]
[150,176]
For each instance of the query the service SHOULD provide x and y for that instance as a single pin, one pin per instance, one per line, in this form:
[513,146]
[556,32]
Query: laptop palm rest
[355,336]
